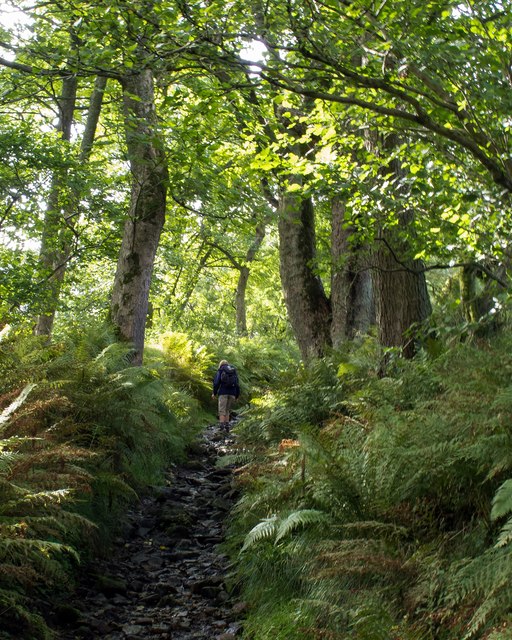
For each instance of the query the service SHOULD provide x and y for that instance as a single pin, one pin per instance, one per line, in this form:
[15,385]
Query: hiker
[225,385]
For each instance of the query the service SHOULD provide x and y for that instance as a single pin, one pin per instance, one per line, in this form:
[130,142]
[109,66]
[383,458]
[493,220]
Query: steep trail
[166,576]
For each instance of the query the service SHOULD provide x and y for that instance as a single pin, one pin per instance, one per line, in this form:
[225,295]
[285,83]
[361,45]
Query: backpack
[229,376]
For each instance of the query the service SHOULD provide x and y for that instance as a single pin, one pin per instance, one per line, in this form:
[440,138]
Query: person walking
[226,387]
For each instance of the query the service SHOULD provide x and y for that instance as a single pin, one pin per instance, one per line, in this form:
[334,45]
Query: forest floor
[166,577]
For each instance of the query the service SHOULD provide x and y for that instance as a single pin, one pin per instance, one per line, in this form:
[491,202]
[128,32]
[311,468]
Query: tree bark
[243,279]
[402,299]
[57,234]
[468,295]
[401,296]
[351,282]
[241,307]
[52,241]
[308,306]
[146,214]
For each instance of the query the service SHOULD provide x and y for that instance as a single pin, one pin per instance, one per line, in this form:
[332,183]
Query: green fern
[372,621]
[405,468]
[300,519]
[279,528]
[83,431]
[262,531]
[14,548]
[17,621]
[502,502]
[505,535]
[8,459]
[31,501]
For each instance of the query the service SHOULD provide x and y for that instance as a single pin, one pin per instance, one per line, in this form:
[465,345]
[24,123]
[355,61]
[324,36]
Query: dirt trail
[166,577]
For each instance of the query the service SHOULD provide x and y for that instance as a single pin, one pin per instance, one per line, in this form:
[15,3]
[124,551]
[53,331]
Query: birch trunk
[53,237]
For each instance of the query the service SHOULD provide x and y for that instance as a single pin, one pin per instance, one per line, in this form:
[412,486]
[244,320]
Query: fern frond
[14,442]
[112,483]
[15,574]
[502,502]
[62,457]
[14,406]
[10,490]
[495,604]
[62,524]
[505,536]
[358,558]
[237,459]
[14,549]
[7,460]
[263,530]
[373,529]
[17,621]
[299,519]
[372,622]
[34,500]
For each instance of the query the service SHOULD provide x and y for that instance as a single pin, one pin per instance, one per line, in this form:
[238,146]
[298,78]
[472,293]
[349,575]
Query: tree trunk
[308,306]
[146,214]
[478,298]
[468,295]
[351,283]
[401,296]
[402,299]
[57,234]
[243,279]
[192,280]
[241,307]
[53,238]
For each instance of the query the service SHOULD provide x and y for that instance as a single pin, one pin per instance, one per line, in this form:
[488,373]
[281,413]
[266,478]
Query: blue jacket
[220,389]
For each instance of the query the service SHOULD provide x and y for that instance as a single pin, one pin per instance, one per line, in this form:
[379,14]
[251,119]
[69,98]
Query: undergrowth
[82,433]
[380,507]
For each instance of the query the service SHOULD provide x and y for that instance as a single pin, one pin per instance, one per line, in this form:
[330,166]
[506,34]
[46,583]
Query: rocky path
[166,578]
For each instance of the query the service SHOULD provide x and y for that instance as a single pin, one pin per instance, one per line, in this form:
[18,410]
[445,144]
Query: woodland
[317,191]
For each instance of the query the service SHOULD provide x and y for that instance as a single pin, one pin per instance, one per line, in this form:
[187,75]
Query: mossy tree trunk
[478,291]
[308,307]
[146,215]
